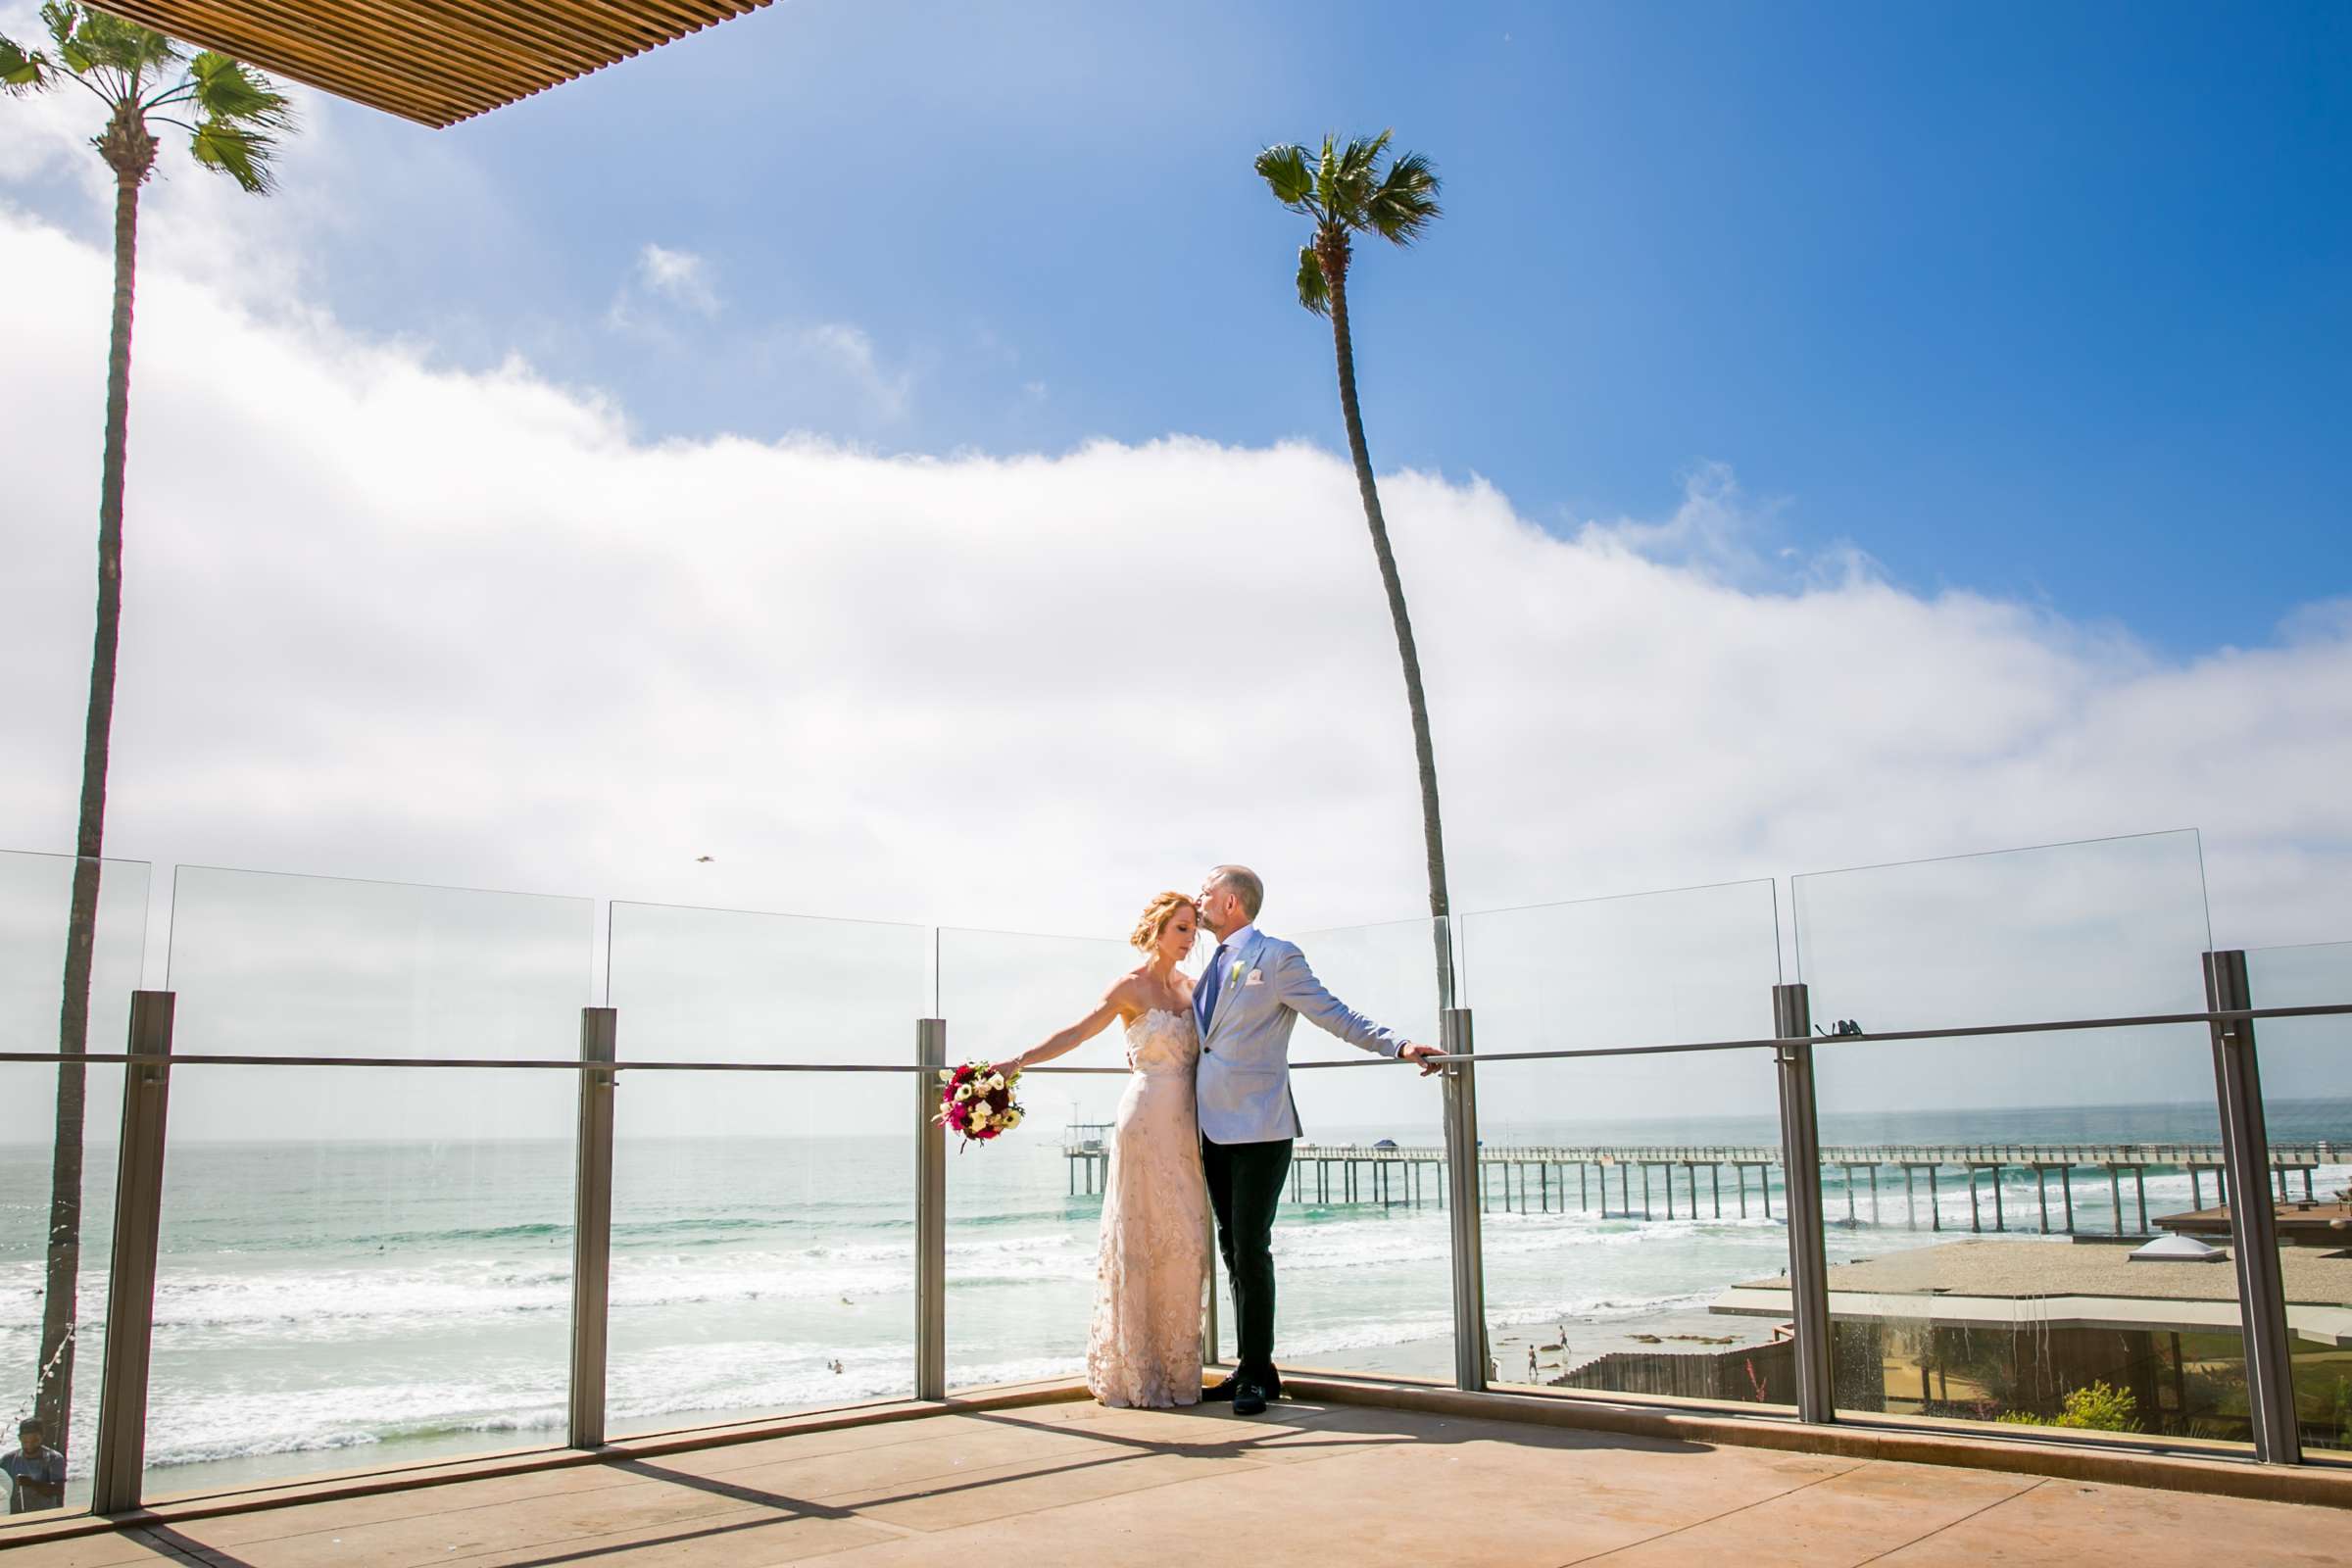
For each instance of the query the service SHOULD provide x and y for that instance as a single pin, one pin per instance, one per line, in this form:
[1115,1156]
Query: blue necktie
[1210,985]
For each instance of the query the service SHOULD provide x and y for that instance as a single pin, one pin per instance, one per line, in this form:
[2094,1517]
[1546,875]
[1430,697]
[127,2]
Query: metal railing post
[1208,1306]
[592,1232]
[2253,1223]
[1470,1358]
[1800,1181]
[121,1441]
[930,1215]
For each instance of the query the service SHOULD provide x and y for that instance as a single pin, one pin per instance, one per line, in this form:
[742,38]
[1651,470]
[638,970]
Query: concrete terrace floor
[1074,1483]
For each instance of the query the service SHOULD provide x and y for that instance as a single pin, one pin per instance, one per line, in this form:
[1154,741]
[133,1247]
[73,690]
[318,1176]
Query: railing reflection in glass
[363,1261]
[1362,1258]
[1024,1212]
[1986,1197]
[1627,1199]
[763,1223]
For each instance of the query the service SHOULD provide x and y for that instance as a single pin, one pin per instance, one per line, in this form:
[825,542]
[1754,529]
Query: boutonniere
[1234,973]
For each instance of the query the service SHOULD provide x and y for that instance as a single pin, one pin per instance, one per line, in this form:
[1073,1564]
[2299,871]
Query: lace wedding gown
[1143,1350]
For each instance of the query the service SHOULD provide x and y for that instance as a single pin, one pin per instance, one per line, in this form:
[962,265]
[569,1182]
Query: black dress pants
[1245,1188]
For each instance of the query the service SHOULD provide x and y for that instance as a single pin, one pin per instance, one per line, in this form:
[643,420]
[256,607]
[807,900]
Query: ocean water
[323,1305]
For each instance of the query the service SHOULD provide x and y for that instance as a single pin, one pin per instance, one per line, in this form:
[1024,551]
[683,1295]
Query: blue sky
[2049,301]
[2052,302]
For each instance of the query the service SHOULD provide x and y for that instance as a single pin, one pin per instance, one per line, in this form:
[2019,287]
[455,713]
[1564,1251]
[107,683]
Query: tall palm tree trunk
[1424,753]
[53,1400]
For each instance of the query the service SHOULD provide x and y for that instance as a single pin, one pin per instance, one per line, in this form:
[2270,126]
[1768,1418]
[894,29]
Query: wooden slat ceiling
[435,61]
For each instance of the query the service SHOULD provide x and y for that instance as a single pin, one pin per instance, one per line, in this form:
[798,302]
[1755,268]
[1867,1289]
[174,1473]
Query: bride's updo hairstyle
[1157,916]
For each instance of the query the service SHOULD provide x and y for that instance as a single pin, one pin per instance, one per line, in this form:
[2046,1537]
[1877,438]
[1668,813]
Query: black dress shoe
[1249,1400]
[1222,1393]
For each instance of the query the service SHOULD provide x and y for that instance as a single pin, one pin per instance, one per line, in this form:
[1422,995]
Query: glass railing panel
[1363,1254]
[1634,1211]
[763,1223]
[38,1109]
[2306,1068]
[1984,1198]
[363,1267]
[1024,1212]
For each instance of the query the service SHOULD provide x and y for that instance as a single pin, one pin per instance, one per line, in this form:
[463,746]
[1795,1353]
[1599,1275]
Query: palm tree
[233,117]
[1344,193]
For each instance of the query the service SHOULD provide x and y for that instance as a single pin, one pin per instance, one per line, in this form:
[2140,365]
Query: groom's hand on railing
[1425,1055]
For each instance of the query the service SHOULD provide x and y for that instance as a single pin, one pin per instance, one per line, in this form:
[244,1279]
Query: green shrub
[2096,1408]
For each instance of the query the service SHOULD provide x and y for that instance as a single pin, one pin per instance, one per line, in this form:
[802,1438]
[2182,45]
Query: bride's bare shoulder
[1127,993]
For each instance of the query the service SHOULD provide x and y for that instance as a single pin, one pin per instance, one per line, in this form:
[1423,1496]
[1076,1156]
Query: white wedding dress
[1143,1350]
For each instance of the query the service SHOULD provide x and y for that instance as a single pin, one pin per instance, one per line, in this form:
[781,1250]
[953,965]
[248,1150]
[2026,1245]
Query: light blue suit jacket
[1244,1080]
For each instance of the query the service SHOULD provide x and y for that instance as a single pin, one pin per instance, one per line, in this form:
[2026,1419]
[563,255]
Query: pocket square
[1257,977]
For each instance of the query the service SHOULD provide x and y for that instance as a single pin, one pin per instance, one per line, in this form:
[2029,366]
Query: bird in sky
[704,859]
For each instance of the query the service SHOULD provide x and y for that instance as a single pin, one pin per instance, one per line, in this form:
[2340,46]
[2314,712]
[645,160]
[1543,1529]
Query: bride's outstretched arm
[1076,1035]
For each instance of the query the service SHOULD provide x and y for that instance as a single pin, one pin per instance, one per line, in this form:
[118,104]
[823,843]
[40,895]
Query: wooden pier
[1577,1178]
[1086,1148]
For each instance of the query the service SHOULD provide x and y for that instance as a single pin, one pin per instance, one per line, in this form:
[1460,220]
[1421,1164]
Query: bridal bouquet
[976,1100]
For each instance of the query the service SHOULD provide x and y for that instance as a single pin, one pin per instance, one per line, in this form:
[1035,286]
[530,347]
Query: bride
[1143,1349]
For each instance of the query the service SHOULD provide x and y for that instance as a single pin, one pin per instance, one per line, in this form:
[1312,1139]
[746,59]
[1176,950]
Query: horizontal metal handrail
[1875,1037]
[1489,1057]
[1760,1042]
[522,1063]
[1765,1041]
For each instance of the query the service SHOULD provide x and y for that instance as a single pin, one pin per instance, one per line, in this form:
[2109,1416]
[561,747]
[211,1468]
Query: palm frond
[241,152]
[242,115]
[1405,203]
[88,39]
[1361,153]
[1353,182]
[1314,289]
[1285,170]
[233,93]
[1349,193]
[21,70]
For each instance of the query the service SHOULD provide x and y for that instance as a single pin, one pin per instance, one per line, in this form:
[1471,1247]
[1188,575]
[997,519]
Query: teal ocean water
[331,1304]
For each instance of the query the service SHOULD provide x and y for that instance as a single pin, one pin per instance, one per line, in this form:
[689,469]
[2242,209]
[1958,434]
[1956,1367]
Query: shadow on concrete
[179,1548]
[1280,1427]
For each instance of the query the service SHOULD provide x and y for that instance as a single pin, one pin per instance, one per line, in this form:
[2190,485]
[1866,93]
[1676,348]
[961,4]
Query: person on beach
[1255,988]
[36,1472]
[1143,1348]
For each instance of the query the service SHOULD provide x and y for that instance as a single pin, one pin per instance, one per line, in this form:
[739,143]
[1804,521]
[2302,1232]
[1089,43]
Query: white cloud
[680,276]
[390,619]
[1715,530]
[662,282]
[669,302]
[850,351]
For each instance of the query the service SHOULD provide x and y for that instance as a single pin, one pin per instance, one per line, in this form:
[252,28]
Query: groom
[1252,991]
